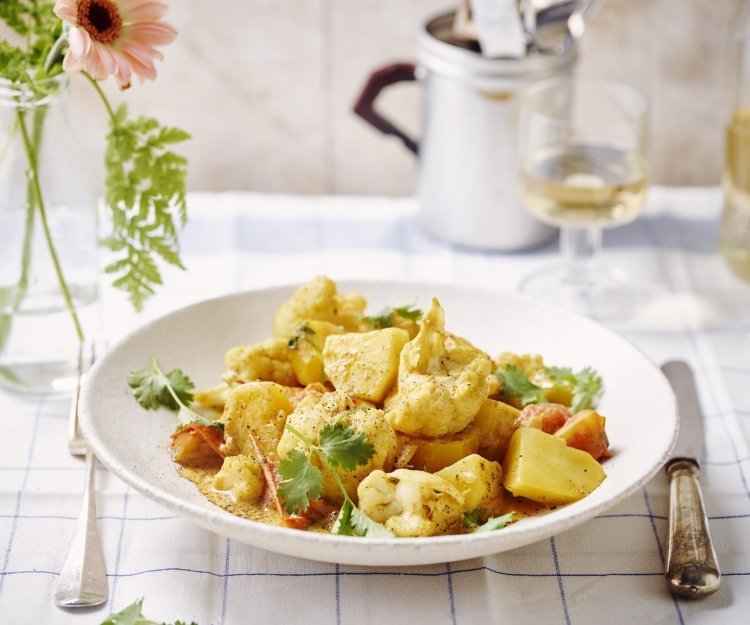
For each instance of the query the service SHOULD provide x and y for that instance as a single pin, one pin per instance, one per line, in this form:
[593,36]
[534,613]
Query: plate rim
[230,524]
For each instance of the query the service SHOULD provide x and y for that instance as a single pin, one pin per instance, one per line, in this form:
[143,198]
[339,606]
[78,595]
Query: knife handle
[692,570]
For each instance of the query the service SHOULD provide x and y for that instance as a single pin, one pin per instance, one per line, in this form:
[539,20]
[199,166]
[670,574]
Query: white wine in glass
[583,168]
[585,185]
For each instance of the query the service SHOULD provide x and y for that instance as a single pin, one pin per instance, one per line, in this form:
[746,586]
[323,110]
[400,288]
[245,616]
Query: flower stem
[55,51]
[34,169]
[98,89]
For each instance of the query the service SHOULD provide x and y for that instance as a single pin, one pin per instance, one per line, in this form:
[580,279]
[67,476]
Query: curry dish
[389,425]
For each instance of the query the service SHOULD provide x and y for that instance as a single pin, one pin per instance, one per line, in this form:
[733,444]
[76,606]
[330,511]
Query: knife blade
[691,567]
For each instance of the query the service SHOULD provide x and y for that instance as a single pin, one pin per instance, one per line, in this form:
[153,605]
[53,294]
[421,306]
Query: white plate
[132,442]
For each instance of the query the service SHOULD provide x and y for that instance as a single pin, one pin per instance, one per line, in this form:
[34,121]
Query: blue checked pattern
[606,571]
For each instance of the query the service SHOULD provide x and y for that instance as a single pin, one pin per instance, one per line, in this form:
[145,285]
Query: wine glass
[583,167]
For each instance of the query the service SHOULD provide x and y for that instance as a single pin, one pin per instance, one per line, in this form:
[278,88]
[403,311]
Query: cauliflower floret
[320,300]
[442,381]
[411,503]
[269,361]
[257,408]
[313,414]
[242,477]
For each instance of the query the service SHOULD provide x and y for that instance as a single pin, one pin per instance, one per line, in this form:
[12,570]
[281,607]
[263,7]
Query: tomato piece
[545,417]
[197,445]
[586,431]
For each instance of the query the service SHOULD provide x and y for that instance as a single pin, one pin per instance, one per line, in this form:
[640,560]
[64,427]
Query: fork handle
[692,570]
[83,578]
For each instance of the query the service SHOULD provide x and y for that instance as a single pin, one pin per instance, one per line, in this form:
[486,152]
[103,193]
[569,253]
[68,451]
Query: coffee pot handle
[379,80]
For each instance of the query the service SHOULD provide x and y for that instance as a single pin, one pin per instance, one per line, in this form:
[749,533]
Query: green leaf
[494,523]
[586,385]
[388,315]
[343,525]
[151,388]
[133,615]
[303,482]
[353,522]
[474,518]
[345,447]
[516,384]
[145,190]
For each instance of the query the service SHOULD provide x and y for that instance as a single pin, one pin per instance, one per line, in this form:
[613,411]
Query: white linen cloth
[608,570]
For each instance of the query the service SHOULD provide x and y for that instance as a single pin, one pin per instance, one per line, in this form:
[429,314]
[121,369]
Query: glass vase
[48,241]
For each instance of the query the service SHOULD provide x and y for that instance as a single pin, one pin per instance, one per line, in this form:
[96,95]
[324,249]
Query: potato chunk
[442,381]
[541,467]
[411,503]
[479,480]
[364,364]
[268,361]
[257,408]
[320,300]
[242,477]
[496,422]
[433,454]
[306,350]
[313,414]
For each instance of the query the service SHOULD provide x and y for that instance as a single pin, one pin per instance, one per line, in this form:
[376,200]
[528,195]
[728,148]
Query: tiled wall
[266,88]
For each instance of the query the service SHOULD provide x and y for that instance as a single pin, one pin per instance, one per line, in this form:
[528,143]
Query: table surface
[608,570]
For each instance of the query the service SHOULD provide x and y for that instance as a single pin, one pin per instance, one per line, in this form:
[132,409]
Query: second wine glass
[584,168]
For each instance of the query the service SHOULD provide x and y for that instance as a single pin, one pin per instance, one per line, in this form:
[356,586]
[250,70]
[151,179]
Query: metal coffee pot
[468,152]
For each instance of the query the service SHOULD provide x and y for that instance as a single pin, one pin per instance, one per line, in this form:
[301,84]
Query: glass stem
[34,171]
[580,249]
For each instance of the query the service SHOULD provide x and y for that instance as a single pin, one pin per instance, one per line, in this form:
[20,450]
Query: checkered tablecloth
[608,570]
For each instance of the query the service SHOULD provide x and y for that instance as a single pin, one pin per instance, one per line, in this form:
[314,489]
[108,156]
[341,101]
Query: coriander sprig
[174,390]
[338,446]
[586,385]
[133,615]
[516,384]
[473,520]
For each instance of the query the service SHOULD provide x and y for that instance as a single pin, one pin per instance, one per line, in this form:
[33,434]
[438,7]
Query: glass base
[49,379]
[604,294]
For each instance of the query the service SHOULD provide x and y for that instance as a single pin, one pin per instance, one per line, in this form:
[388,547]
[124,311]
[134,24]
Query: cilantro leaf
[133,615]
[303,482]
[344,447]
[353,522]
[338,446]
[151,388]
[494,523]
[516,384]
[586,385]
[298,334]
[386,317]
[474,518]
[145,190]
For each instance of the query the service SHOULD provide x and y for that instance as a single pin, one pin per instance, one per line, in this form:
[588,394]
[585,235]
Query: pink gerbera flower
[114,37]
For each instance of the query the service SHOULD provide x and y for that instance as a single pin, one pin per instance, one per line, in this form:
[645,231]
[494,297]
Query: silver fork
[83,578]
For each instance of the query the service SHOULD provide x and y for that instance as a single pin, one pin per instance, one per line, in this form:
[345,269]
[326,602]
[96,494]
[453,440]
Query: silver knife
[691,569]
